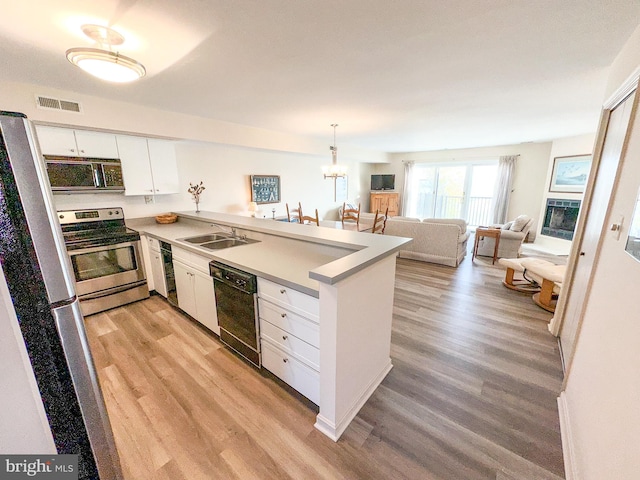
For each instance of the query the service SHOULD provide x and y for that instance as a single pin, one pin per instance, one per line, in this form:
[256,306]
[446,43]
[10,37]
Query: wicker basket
[166,218]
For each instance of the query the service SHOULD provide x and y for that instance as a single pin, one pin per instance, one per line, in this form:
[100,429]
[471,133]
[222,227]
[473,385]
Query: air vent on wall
[57,104]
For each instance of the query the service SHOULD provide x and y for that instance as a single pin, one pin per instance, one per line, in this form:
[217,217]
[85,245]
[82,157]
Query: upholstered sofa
[435,240]
[511,237]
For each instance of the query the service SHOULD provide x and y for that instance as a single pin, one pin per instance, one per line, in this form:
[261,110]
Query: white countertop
[296,255]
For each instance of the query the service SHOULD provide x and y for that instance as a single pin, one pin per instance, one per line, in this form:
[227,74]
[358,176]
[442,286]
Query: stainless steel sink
[227,242]
[209,237]
[216,241]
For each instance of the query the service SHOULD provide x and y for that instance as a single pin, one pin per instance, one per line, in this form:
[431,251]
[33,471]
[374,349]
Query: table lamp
[253,208]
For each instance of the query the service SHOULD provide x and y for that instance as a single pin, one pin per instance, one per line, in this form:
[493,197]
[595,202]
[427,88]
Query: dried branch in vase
[195,191]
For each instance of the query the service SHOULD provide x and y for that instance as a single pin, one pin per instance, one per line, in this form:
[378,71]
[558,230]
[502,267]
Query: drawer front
[299,302]
[290,322]
[192,259]
[291,371]
[290,344]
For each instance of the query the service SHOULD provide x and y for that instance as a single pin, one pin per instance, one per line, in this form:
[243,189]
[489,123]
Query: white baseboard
[335,430]
[570,466]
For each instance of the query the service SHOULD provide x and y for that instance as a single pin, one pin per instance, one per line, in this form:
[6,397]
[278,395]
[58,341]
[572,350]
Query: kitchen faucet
[224,228]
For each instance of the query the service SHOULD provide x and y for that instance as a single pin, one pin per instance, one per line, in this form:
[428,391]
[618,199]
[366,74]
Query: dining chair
[310,219]
[380,222]
[351,215]
[294,214]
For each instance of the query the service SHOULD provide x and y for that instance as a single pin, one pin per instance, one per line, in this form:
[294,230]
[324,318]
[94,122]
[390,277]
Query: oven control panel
[94,215]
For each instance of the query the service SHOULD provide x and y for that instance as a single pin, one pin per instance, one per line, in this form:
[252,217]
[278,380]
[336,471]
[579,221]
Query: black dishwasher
[236,305]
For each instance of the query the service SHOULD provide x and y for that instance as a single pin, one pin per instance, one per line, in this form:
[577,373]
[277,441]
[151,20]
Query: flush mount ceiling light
[105,64]
[334,170]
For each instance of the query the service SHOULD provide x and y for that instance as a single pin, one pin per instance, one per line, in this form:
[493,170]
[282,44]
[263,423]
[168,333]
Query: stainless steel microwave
[80,174]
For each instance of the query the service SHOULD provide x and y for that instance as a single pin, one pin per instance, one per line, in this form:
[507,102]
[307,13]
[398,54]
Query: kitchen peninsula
[351,275]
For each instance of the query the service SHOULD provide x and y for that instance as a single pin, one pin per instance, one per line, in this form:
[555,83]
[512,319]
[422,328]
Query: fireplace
[560,218]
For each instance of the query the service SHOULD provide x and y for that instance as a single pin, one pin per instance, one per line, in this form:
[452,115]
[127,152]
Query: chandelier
[334,170]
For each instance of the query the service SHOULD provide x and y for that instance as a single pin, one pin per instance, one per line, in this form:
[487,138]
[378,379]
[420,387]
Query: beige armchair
[511,237]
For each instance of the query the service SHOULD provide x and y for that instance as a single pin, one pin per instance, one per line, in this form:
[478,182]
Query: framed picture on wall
[265,188]
[570,174]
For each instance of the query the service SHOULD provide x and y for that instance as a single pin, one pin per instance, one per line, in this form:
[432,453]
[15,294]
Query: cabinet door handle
[283,291]
[283,315]
[81,151]
[285,360]
[284,337]
[72,149]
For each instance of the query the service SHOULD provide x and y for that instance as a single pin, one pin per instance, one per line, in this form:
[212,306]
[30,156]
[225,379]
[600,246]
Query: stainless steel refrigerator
[41,285]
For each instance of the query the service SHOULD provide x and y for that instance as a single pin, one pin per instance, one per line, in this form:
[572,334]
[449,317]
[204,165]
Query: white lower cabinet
[195,288]
[303,378]
[157,280]
[185,287]
[289,337]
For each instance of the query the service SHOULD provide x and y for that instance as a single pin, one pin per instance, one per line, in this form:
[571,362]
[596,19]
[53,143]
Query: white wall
[603,385]
[220,154]
[225,170]
[562,147]
[528,182]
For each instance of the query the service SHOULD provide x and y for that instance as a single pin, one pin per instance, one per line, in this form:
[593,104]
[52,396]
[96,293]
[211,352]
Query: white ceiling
[396,75]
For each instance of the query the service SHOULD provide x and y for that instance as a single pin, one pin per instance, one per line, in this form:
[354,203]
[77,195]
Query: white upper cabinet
[136,169]
[164,167]
[76,143]
[149,166]
[96,144]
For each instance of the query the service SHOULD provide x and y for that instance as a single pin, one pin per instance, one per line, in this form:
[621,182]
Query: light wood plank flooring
[472,394]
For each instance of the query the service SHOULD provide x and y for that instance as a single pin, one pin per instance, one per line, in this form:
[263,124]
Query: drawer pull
[284,337]
[283,291]
[283,315]
[285,360]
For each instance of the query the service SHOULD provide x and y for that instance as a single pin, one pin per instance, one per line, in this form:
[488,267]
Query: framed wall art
[265,188]
[570,174]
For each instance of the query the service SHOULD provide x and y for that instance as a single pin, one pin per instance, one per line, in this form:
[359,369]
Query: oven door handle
[111,291]
[112,246]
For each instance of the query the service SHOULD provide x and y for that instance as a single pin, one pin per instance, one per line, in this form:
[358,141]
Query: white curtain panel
[502,191]
[408,174]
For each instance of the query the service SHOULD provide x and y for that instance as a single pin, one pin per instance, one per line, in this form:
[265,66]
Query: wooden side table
[484,232]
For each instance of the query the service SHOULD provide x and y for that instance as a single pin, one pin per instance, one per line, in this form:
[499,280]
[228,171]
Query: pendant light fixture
[102,63]
[334,170]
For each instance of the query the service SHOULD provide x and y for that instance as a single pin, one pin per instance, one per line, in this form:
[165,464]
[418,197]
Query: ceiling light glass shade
[334,170]
[106,65]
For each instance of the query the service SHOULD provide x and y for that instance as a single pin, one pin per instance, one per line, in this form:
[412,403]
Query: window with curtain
[460,190]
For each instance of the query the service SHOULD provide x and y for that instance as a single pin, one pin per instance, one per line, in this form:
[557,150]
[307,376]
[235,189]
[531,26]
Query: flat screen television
[383,182]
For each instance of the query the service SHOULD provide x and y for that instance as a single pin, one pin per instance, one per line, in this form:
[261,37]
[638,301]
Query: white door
[162,155]
[157,273]
[136,169]
[594,227]
[96,144]
[57,141]
[184,288]
[206,301]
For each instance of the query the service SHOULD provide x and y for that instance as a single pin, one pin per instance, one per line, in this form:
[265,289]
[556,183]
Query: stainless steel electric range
[106,258]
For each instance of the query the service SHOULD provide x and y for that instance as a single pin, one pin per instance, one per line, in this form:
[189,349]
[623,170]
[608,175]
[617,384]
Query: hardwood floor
[472,394]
